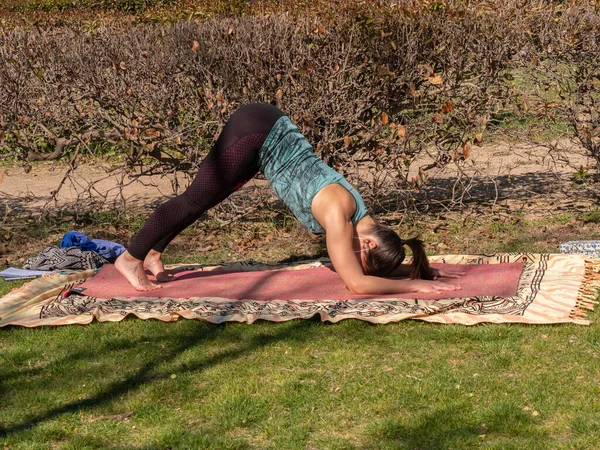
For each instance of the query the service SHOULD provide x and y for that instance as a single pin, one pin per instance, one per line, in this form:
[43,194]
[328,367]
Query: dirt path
[515,177]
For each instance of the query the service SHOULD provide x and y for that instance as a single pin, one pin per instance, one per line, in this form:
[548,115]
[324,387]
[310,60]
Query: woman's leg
[229,165]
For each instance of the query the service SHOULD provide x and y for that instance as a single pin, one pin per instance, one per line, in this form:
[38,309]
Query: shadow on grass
[462,425]
[174,346]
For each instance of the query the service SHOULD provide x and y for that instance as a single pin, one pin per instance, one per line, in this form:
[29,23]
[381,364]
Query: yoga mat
[551,288]
[320,283]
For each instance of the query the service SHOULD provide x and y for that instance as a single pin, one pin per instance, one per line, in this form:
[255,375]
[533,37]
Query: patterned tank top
[296,174]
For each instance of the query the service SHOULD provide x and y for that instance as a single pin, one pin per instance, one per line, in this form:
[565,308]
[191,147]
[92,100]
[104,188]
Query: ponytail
[420,263]
[388,255]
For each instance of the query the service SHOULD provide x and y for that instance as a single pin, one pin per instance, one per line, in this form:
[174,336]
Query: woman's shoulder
[334,200]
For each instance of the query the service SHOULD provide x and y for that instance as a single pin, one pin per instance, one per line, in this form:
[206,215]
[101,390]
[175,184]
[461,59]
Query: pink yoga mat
[307,284]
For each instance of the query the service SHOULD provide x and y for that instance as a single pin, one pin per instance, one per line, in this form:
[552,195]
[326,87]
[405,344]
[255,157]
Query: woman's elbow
[358,288]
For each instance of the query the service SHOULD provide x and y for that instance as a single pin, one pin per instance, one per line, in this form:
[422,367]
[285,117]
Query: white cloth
[12,273]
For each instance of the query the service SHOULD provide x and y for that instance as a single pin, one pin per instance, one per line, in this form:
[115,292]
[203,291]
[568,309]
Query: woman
[260,137]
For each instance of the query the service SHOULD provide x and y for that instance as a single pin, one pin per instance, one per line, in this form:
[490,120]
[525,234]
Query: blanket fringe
[587,297]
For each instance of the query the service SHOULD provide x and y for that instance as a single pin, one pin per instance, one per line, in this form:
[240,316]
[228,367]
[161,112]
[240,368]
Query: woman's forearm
[370,285]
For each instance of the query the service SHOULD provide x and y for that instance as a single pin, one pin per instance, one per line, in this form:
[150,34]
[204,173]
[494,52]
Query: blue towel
[77,239]
[110,250]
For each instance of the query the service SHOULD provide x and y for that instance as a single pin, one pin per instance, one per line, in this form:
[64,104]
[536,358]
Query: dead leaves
[465,154]
[447,108]
[384,118]
[435,79]
[466,151]
[221,101]
[195,47]
[428,74]
[385,71]
[398,130]
[153,132]
[319,29]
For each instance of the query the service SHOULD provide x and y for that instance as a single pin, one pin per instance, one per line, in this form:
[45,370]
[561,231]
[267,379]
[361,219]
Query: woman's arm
[333,208]
[343,258]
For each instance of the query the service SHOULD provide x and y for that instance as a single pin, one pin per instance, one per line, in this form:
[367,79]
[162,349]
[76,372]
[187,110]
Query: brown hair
[384,259]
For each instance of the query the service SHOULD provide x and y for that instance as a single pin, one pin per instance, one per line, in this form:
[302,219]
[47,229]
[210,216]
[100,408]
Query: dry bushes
[374,90]
[565,73]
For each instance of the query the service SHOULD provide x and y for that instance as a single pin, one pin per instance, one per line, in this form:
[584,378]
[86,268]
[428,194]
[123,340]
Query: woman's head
[388,254]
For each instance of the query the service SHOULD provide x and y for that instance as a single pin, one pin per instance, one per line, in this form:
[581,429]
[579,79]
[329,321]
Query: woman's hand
[444,273]
[432,286]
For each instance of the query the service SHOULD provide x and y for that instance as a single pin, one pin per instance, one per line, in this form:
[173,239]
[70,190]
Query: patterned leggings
[228,166]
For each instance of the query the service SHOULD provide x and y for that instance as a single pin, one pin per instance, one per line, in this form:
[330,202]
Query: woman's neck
[363,226]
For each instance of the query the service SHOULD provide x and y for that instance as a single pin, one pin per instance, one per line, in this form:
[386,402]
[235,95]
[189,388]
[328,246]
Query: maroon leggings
[228,166]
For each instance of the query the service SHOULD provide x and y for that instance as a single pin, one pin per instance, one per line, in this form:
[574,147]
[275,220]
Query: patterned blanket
[552,288]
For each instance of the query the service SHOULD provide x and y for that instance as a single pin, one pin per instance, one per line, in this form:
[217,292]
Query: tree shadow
[148,373]
[459,426]
[43,205]
[443,194]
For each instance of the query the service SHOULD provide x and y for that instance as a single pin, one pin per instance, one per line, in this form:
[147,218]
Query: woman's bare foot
[153,263]
[133,269]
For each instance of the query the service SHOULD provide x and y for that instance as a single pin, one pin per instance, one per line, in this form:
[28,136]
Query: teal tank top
[296,174]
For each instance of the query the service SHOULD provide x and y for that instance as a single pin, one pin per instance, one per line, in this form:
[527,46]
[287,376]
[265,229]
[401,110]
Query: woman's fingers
[450,287]
[438,287]
[451,273]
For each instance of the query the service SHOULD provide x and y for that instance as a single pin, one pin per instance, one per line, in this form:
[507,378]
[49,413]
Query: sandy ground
[518,177]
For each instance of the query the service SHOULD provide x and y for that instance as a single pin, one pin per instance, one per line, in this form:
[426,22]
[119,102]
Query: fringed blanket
[500,288]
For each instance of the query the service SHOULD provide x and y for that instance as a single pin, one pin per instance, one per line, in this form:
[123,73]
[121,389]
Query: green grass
[512,125]
[301,384]
[307,384]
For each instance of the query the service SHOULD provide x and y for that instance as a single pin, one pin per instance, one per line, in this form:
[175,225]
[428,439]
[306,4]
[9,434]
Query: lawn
[307,384]
[301,384]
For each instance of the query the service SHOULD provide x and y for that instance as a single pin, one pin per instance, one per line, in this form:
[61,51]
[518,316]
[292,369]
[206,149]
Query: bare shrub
[565,75]
[377,89]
